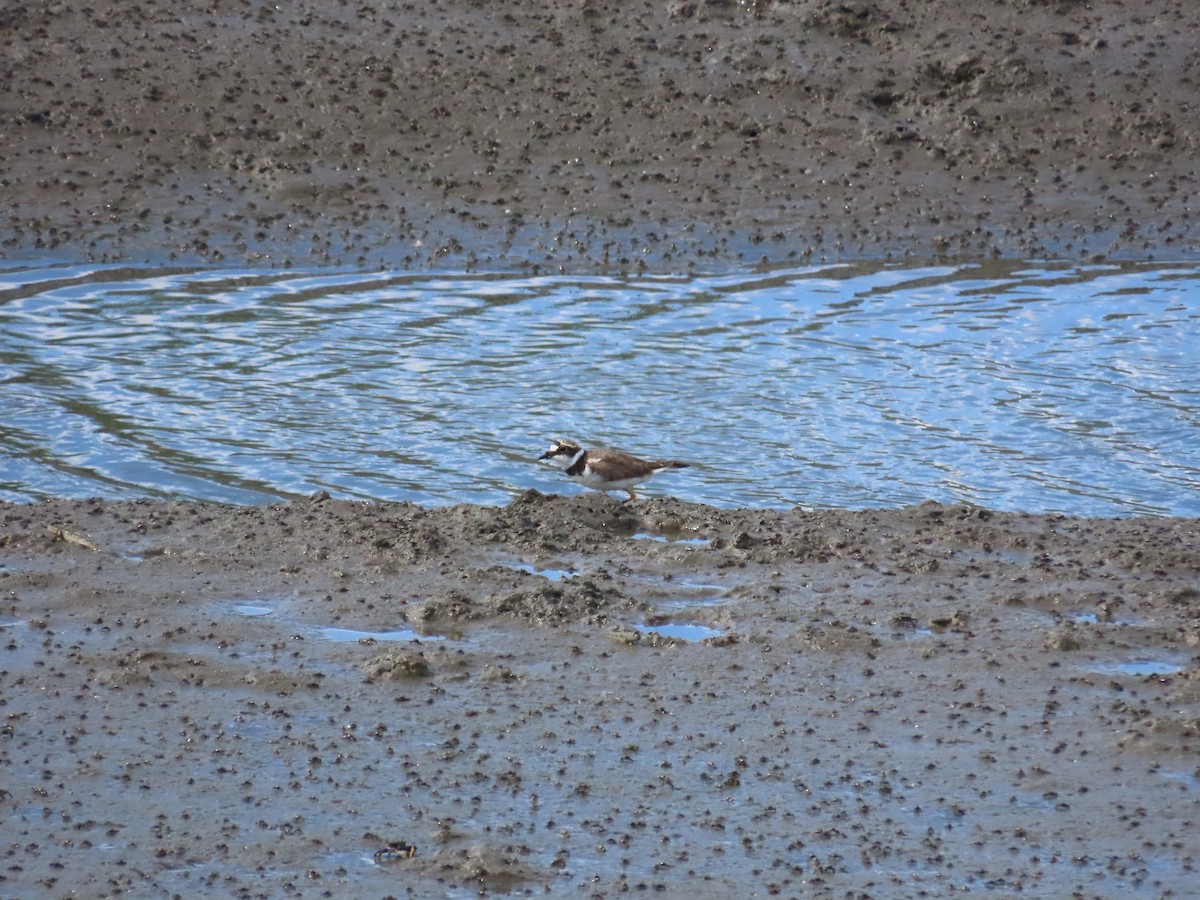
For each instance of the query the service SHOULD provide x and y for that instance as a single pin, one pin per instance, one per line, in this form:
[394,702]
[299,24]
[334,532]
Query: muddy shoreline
[595,136]
[253,701]
[564,695]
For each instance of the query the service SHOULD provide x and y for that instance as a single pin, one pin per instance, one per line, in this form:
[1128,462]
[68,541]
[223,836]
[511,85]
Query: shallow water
[1016,386]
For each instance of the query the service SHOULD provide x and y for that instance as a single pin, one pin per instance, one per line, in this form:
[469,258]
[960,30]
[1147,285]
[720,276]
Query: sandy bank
[598,135]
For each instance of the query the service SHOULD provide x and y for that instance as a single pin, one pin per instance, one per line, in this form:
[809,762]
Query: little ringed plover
[606,470]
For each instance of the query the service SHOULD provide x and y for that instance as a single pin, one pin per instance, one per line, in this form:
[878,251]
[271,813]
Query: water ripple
[1011,385]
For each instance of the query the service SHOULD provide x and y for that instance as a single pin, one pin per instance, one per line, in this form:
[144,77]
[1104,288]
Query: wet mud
[598,135]
[569,695]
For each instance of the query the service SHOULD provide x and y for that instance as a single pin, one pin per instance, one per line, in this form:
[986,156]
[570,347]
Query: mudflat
[574,696]
[595,134]
[567,695]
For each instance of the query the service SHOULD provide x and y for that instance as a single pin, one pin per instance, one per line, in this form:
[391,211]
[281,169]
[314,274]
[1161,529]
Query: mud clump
[489,869]
[580,601]
[397,667]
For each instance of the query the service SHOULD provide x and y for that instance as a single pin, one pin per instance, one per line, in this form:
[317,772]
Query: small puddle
[34,566]
[1087,618]
[1027,800]
[698,585]
[249,607]
[689,633]
[550,573]
[1008,555]
[1191,779]
[905,628]
[349,635]
[22,649]
[140,553]
[663,539]
[349,859]
[669,593]
[250,610]
[711,597]
[1139,668]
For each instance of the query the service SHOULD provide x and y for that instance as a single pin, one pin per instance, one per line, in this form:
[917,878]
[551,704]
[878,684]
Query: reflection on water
[689,633]
[1013,386]
[349,635]
[1144,668]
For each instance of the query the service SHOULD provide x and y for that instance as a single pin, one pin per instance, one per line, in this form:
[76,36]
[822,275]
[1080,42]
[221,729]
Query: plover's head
[562,453]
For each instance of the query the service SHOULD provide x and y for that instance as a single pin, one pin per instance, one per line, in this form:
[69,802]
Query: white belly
[590,479]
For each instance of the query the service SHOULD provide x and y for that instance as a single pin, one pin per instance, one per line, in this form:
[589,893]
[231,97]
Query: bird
[606,470]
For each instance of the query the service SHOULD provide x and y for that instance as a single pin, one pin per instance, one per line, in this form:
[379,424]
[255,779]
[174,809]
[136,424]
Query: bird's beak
[546,455]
